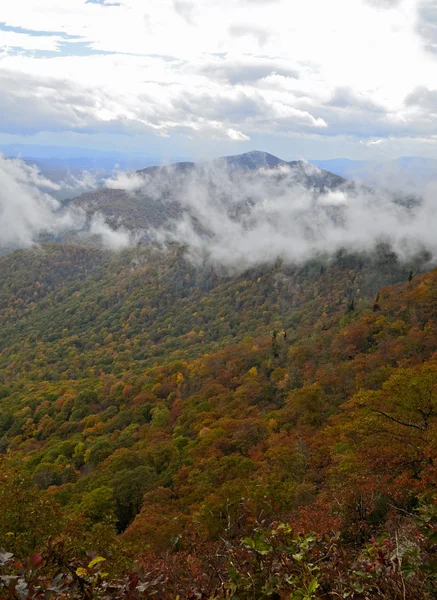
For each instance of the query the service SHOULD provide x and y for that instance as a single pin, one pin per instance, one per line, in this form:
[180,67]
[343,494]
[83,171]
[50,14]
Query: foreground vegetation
[265,435]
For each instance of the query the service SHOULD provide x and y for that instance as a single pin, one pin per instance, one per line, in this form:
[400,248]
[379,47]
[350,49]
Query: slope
[67,311]
[316,404]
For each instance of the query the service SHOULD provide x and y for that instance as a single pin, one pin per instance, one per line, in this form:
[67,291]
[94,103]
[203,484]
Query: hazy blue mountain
[71,153]
[59,163]
[407,173]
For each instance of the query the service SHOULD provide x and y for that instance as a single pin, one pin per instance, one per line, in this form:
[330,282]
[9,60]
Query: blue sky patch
[37,32]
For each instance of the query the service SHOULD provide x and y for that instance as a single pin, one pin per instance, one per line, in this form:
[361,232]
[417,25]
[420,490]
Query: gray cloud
[249,111]
[424,98]
[240,72]
[238,108]
[346,97]
[31,104]
[349,113]
[229,99]
[426,25]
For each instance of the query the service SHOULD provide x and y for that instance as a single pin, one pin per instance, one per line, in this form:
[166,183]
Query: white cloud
[27,210]
[29,42]
[370,143]
[130,182]
[113,239]
[227,70]
[237,135]
[280,216]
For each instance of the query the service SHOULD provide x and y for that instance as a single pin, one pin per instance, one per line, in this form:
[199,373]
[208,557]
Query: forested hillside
[267,434]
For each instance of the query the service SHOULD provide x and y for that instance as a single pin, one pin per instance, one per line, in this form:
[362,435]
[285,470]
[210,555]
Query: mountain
[407,174]
[159,411]
[76,157]
[258,421]
[253,160]
[77,169]
[159,195]
[79,294]
[341,166]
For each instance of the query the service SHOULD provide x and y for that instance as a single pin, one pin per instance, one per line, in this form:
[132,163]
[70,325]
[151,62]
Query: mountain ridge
[155,202]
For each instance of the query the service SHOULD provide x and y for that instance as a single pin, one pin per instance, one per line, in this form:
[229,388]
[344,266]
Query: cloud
[259,34]
[222,100]
[30,104]
[122,180]
[423,97]
[248,110]
[246,70]
[188,70]
[237,136]
[113,239]
[426,25]
[370,143]
[85,180]
[237,220]
[27,210]
[185,10]
[103,2]
[346,97]
[29,42]
[384,3]
[255,2]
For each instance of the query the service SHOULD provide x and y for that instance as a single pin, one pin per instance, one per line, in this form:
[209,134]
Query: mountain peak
[254,159]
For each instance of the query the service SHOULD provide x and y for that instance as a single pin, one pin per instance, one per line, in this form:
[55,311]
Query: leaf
[263,548]
[22,589]
[233,574]
[298,556]
[312,586]
[5,557]
[36,560]
[96,561]
[81,572]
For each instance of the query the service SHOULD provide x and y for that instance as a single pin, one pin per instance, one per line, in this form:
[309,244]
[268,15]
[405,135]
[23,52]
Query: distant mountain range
[65,164]
[408,173]
[61,163]
[71,155]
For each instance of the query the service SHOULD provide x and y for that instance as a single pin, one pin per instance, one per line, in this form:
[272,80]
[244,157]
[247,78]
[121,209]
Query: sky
[300,79]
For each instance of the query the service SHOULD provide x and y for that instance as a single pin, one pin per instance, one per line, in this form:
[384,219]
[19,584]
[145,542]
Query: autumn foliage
[168,431]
